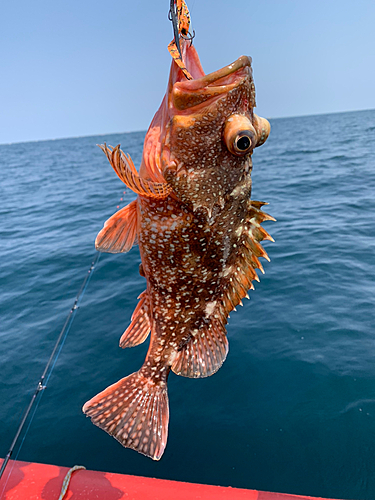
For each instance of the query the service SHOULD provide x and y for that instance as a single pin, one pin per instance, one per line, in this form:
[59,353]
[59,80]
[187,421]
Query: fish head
[210,131]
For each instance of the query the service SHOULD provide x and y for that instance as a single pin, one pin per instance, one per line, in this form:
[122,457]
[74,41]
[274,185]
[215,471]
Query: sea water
[293,407]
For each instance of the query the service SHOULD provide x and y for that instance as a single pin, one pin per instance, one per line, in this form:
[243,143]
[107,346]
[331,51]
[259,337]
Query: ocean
[293,407]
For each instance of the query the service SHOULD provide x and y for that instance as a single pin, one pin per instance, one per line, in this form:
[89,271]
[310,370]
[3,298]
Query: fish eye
[242,143]
[263,128]
[239,135]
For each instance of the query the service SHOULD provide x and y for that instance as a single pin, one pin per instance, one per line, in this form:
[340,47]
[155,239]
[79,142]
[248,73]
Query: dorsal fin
[125,169]
[139,328]
[120,231]
[205,352]
[238,277]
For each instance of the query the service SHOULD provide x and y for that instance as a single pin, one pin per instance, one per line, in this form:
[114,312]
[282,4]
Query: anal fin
[139,328]
[204,354]
[120,231]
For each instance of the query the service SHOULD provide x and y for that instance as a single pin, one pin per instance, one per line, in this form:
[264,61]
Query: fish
[199,235]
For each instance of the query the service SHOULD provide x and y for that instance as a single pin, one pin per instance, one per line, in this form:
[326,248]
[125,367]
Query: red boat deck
[33,481]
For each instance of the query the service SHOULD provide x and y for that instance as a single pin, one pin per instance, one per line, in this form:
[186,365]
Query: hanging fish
[199,237]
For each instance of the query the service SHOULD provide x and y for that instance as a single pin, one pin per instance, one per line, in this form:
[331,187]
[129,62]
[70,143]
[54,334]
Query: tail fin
[135,412]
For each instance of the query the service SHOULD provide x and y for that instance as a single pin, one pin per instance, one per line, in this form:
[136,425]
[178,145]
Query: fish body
[199,237]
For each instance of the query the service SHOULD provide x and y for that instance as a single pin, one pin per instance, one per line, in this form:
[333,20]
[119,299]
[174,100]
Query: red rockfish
[199,237]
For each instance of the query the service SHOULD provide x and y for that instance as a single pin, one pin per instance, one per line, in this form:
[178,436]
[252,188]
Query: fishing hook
[172,16]
[190,37]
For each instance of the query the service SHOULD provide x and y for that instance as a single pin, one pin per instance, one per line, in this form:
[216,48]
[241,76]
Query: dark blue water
[293,407]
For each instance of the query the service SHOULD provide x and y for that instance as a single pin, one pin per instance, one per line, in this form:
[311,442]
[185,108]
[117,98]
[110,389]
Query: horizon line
[145,130]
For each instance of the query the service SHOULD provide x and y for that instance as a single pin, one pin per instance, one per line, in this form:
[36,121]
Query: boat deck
[32,481]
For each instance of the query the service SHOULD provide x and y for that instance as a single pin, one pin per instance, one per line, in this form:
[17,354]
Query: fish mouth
[202,88]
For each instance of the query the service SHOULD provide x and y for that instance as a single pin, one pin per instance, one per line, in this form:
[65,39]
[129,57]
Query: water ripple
[283,413]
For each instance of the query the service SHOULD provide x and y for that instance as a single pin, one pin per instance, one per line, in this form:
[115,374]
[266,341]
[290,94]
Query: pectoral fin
[125,169]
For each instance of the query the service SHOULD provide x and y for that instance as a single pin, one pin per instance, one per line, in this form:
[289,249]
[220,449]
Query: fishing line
[43,381]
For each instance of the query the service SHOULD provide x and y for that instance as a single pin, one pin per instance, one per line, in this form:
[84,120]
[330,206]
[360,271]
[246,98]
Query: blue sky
[74,68]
